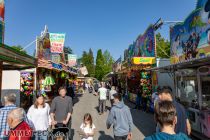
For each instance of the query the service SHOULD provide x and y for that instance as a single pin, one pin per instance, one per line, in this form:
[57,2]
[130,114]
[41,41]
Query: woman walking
[38,114]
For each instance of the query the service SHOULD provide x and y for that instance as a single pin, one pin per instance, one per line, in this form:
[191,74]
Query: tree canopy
[100,63]
[88,61]
[162,46]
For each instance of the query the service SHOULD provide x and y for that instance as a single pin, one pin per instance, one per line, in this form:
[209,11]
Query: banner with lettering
[56,58]
[72,60]
[57,42]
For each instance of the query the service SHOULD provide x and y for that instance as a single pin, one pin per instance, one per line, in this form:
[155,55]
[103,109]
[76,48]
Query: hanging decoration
[146,83]
[26,81]
[48,82]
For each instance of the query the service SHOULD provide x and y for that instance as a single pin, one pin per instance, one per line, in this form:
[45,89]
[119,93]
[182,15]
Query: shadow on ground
[76,98]
[103,136]
[142,120]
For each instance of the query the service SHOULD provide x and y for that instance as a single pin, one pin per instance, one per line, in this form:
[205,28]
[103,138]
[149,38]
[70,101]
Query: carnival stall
[52,70]
[138,57]
[11,60]
[190,67]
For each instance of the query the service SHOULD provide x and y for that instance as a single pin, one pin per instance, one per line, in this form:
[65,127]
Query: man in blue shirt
[165,115]
[183,124]
[9,102]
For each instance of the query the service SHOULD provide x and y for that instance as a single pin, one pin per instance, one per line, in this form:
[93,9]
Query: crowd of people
[170,116]
[42,120]
[16,124]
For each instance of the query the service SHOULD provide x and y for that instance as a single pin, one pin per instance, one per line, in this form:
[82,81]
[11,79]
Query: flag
[2,9]
[119,60]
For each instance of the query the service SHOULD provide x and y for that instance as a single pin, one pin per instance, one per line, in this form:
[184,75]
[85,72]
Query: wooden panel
[10,54]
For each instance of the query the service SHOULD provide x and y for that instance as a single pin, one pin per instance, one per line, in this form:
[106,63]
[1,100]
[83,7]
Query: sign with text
[143,60]
[57,42]
[57,66]
[56,58]
[72,60]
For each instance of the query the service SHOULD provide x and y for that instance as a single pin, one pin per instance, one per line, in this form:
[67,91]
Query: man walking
[9,104]
[102,98]
[121,119]
[183,124]
[61,110]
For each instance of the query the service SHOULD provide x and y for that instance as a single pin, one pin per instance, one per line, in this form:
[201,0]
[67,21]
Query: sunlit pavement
[88,103]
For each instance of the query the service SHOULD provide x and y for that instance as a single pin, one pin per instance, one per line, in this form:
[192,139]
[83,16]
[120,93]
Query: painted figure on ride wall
[190,47]
[207,9]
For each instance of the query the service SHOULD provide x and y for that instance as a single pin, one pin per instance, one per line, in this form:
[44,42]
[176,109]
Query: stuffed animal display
[145,83]
[26,81]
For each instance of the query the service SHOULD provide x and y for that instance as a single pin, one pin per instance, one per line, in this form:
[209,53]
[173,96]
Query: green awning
[15,60]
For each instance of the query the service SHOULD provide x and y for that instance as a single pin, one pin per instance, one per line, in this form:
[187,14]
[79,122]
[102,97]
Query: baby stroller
[60,132]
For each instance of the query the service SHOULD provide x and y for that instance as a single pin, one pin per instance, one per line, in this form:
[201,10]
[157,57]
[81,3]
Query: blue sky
[106,24]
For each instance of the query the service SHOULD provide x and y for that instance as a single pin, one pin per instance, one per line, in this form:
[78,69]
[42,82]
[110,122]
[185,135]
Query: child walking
[87,128]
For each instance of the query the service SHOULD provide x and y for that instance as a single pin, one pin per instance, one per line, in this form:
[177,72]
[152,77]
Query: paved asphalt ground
[88,103]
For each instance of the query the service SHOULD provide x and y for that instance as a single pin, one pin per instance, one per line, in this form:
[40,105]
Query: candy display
[146,82]
[26,81]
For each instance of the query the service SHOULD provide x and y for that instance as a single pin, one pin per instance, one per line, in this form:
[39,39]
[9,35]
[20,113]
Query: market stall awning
[193,63]
[48,64]
[14,60]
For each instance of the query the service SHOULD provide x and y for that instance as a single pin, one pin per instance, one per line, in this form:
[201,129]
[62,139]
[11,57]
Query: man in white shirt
[102,98]
[111,93]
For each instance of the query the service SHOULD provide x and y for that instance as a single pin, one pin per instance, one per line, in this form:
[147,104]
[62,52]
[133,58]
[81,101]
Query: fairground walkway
[88,103]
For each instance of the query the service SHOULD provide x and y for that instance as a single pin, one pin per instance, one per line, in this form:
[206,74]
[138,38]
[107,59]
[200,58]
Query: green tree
[91,66]
[162,46]
[88,61]
[99,70]
[19,48]
[108,62]
[84,58]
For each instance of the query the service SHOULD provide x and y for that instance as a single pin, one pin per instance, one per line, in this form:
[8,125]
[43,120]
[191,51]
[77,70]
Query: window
[205,86]
[188,91]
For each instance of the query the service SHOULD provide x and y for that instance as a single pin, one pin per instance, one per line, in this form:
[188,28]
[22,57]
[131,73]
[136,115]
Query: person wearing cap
[121,119]
[183,124]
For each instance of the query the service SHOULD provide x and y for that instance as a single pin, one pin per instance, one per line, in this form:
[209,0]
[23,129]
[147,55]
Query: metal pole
[28,45]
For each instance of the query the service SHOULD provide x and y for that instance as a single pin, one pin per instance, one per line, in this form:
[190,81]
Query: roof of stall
[193,63]
[15,60]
